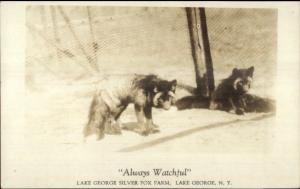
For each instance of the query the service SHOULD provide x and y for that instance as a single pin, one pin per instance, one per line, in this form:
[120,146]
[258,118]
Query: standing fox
[229,94]
[144,91]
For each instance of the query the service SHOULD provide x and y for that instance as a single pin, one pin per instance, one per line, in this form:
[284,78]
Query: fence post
[206,52]
[192,25]
[200,49]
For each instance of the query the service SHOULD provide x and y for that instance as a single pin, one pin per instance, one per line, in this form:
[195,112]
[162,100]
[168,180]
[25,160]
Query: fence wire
[71,41]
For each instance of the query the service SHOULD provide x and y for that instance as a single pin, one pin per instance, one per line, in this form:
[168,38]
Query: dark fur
[141,92]
[193,102]
[227,97]
[244,101]
[254,103]
[150,82]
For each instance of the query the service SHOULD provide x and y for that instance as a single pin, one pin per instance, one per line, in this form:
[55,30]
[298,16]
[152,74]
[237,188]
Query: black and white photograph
[149,96]
[119,73]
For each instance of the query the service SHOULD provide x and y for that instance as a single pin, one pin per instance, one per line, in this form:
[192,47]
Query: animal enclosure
[74,42]
[72,49]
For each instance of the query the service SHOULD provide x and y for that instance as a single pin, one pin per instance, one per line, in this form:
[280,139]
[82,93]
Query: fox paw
[100,134]
[153,131]
[144,132]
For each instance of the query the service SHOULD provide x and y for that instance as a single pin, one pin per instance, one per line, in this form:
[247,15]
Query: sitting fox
[144,91]
[229,94]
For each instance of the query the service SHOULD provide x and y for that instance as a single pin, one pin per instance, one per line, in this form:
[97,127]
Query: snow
[60,115]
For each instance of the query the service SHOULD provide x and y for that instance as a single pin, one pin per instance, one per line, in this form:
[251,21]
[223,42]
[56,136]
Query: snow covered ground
[60,115]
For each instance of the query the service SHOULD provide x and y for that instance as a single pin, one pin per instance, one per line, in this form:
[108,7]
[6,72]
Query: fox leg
[241,105]
[237,106]
[115,127]
[231,106]
[148,114]
[143,128]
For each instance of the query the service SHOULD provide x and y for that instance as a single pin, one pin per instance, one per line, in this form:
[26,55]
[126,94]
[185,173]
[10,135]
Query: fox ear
[250,71]
[173,83]
[234,71]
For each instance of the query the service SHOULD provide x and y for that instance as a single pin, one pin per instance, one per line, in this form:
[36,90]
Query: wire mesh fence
[77,41]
